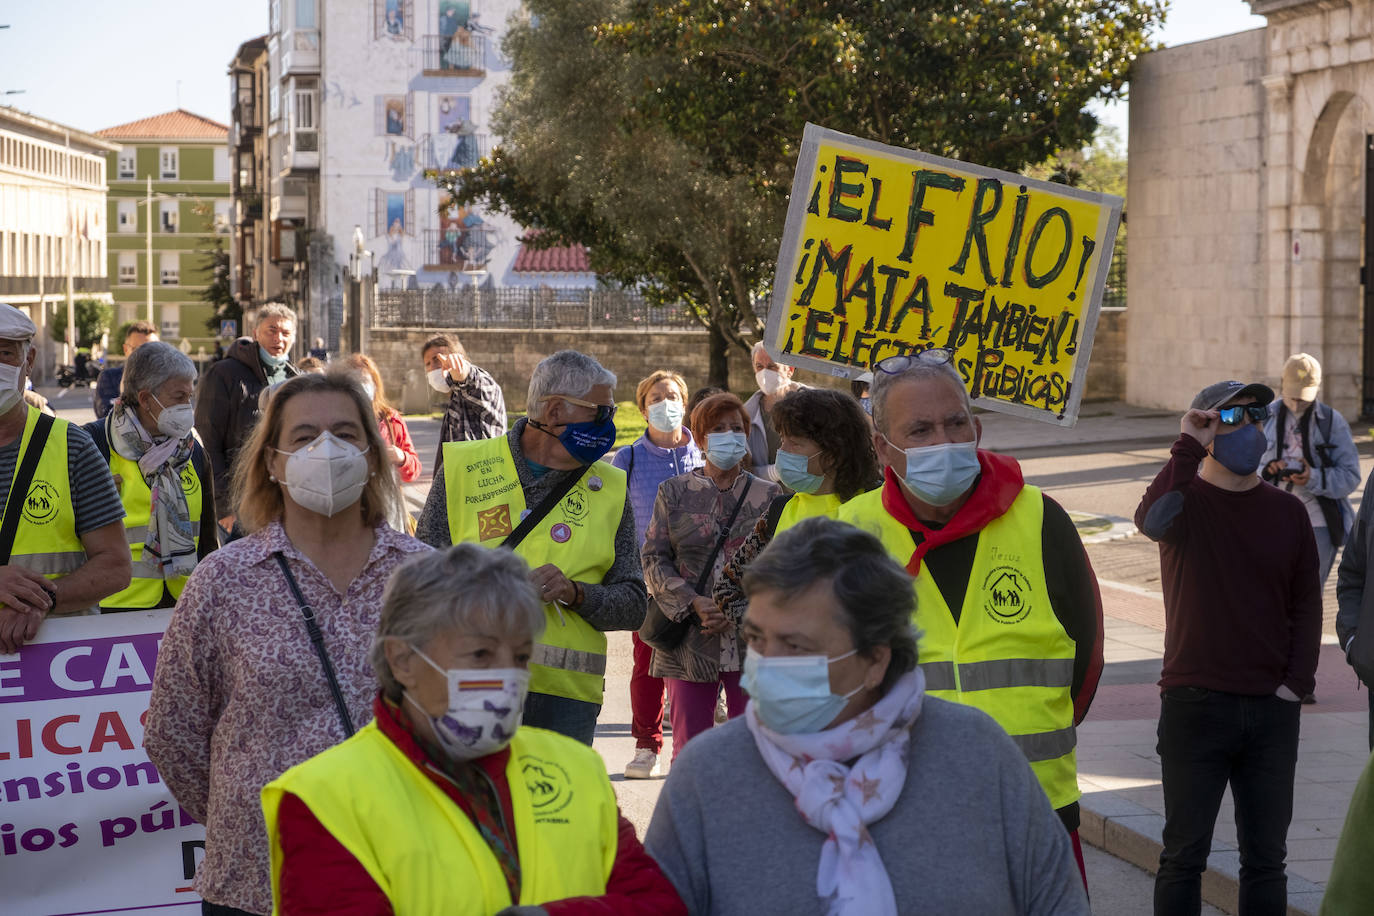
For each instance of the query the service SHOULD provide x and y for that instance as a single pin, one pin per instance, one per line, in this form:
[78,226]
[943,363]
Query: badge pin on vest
[594,484]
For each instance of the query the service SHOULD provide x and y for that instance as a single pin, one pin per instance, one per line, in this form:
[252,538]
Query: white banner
[86,824]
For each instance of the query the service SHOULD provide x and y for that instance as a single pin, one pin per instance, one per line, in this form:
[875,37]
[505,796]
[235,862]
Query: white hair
[917,371]
[565,372]
[150,367]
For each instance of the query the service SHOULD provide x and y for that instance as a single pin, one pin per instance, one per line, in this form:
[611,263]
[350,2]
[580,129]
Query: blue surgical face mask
[1240,451]
[792,471]
[666,416]
[272,362]
[725,450]
[937,475]
[791,694]
[588,441]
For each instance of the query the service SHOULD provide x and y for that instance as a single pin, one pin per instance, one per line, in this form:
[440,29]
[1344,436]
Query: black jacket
[227,411]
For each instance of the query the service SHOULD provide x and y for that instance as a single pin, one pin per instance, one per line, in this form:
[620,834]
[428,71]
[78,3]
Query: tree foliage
[93,319]
[662,134]
[217,292]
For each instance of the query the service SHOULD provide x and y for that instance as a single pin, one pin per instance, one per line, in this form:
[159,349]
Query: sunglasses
[895,365]
[604,412]
[1232,416]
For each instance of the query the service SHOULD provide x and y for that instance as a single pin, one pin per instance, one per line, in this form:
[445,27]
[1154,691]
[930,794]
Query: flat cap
[14,324]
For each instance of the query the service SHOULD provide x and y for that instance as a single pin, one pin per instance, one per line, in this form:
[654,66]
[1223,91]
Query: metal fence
[513,308]
[1114,294]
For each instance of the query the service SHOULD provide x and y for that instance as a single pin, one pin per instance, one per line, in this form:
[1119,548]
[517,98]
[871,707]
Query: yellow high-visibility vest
[486,503]
[46,541]
[804,505]
[424,852]
[145,588]
[1008,655]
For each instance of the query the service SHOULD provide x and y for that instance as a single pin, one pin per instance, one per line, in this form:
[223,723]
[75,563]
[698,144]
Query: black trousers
[214,909]
[1208,739]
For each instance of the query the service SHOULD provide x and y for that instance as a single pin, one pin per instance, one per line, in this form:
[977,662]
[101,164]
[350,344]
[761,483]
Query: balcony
[302,153]
[245,116]
[300,52]
[249,206]
[456,248]
[446,152]
[461,54]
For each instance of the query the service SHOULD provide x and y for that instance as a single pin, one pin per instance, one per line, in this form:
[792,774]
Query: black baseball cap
[1218,393]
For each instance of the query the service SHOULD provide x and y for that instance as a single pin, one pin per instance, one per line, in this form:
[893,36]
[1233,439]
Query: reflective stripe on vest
[803,506]
[1008,655]
[145,586]
[46,541]
[486,502]
[418,846]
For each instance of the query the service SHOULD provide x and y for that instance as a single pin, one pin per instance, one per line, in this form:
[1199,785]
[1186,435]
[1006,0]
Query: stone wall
[511,356]
[1196,195]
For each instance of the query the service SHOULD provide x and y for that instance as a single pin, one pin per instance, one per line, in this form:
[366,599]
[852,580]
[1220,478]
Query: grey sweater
[617,602]
[971,833]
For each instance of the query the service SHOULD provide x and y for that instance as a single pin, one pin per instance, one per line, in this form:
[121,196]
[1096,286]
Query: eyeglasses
[604,412]
[1232,416]
[896,365]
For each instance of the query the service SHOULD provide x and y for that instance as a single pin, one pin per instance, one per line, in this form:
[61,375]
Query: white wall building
[52,218]
[363,98]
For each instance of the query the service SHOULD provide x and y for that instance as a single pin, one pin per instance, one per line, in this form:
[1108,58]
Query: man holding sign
[1006,601]
[62,543]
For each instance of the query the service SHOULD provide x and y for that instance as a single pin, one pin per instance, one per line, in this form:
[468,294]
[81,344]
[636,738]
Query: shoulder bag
[662,632]
[317,640]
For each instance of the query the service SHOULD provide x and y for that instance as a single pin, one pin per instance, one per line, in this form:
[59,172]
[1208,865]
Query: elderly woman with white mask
[463,809]
[850,789]
[162,473]
[265,661]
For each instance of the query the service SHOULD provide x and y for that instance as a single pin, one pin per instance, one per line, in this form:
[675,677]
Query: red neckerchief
[999,483]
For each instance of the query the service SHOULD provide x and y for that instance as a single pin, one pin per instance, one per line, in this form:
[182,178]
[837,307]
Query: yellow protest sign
[888,251]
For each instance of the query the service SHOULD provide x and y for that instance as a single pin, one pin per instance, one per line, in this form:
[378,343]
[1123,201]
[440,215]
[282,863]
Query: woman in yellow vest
[444,803]
[162,475]
[825,458]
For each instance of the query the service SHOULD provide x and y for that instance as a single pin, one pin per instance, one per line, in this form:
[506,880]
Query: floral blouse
[239,695]
[686,523]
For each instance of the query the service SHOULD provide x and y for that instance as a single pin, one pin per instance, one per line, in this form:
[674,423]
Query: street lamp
[148,239]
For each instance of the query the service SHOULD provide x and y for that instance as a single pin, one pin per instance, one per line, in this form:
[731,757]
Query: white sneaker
[644,766]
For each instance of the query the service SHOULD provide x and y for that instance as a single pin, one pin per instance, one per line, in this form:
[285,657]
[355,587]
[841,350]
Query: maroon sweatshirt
[1242,598]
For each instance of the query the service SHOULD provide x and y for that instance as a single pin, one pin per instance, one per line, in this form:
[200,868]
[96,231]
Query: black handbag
[661,632]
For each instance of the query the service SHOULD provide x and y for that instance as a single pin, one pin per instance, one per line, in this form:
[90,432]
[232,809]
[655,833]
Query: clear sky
[97,63]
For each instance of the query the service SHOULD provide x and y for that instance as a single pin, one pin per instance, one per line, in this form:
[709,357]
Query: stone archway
[1329,250]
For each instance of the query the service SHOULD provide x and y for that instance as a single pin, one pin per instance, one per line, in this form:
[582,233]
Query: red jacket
[394,432]
[319,876]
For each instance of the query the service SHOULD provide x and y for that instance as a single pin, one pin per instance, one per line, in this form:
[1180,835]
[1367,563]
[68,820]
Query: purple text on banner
[82,668]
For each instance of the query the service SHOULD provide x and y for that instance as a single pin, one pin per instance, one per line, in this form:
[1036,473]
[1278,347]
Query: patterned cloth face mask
[485,707]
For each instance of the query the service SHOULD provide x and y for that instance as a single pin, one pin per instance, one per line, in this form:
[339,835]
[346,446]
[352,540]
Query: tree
[217,291]
[93,319]
[1100,166]
[662,134]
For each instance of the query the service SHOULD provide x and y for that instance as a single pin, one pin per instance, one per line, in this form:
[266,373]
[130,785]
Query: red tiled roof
[179,124]
[563,259]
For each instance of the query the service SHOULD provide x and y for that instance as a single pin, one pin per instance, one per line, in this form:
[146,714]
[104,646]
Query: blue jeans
[1206,740]
[574,718]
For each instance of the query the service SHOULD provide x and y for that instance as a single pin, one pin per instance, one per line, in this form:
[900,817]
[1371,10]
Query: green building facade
[184,159]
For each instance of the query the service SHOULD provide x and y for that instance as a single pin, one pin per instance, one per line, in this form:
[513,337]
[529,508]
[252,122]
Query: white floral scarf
[841,801]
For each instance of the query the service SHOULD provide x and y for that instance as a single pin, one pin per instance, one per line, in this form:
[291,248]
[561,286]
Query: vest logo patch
[42,503]
[549,786]
[494,522]
[1006,595]
[190,482]
[575,506]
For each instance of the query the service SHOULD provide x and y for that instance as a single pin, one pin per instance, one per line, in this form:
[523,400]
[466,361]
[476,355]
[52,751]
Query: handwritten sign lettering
[889,252]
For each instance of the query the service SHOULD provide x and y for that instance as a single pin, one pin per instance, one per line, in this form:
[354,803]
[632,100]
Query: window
[221,159]
[305,14]
[303,109]
[171,269]
[273,102]
[393,214]
[128,268]
[394,19]
[395,115]
[126,164]
[126,216]
[170,215]
[246,178]
[221,224]
[170,324]
[169,162]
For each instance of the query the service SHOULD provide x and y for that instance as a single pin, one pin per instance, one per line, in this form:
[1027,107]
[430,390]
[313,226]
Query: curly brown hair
[835,422]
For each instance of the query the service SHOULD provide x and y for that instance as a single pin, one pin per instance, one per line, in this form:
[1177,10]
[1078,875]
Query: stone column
[1281,231]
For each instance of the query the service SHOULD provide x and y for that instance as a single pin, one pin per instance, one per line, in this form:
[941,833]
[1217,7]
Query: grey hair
[876,596]
[465,588]
[565,372]
[150,367]
[757,348]
[917,371]
[274,310]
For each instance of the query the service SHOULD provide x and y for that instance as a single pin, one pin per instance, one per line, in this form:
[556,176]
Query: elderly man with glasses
[1243,620]
[543,491]
[1006,600]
